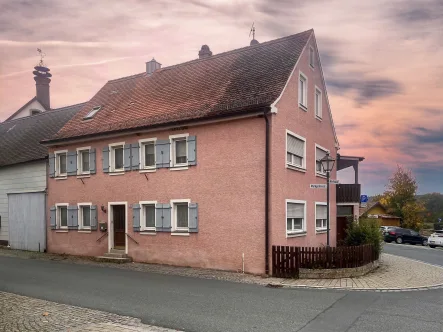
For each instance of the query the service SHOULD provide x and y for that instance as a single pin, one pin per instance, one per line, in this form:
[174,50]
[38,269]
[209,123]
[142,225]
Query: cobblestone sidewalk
[22,314]
[394,274]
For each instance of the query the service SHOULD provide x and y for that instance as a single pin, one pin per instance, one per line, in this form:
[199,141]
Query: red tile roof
[225,83]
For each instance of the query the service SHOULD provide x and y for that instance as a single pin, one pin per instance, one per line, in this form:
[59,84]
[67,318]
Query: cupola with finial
[253,41]
[204,52]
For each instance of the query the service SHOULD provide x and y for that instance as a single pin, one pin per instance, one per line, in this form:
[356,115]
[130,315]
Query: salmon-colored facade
[227,183]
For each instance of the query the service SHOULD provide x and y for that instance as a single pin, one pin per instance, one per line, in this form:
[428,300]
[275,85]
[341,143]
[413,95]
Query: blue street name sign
[364,198]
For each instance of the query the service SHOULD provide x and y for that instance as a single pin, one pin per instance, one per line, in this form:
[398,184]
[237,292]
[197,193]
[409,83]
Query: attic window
[92,113]
[35,111]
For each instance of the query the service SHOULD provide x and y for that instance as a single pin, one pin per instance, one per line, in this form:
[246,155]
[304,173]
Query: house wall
[376,210]
[227,184]
[27,110]
[287,183]
[26,177]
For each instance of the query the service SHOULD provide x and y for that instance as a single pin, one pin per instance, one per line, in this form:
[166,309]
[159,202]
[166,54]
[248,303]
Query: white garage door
[27,226]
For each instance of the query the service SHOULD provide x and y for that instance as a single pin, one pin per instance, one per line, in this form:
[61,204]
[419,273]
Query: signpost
[364,200]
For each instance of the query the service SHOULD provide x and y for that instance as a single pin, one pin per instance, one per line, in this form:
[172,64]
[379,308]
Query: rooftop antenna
[253,41]
[42,55]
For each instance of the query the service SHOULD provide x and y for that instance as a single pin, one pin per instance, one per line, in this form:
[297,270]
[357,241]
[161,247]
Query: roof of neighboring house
[233,82]
[20,138]
[370,205]
[24,106]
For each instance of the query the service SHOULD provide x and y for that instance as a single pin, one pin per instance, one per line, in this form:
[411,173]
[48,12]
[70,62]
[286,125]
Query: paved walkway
[394,274]
[23,314]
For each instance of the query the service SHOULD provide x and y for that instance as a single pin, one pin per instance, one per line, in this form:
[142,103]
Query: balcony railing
[348,193]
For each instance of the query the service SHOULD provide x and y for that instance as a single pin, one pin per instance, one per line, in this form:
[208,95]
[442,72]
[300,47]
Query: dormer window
[92,113]
[35,111]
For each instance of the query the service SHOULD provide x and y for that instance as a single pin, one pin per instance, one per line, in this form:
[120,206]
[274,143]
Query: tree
[400,198]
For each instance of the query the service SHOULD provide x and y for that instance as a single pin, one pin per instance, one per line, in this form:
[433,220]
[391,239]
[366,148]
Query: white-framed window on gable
[303,91]
[83,160]
[84,215]
[62,215]
[320,153]
[318,103]
[116,157]
[147,153]
[180,215]
[295,216]
[320,217]
[179,150]
[61,163]
[311,57]
[147,215]
[295,150]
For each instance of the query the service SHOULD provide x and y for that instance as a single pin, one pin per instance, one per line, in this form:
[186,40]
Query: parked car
[404,235]
[384,229]
[436,239]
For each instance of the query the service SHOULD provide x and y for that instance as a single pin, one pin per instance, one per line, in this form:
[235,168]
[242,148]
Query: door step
[114,256]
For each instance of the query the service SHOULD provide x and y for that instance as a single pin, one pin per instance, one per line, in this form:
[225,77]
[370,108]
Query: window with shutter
[295,216]
[83,162]
[147,153]
[179,150]
[62,215]
[84,216]
[295,150]
[147,215]
[61,163]
[320,153]
[180,215]
[320,216]
[117,157]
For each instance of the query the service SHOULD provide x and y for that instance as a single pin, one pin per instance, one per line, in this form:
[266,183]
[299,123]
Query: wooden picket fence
[287,261]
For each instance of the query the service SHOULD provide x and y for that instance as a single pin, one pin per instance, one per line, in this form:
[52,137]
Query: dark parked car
[403,235]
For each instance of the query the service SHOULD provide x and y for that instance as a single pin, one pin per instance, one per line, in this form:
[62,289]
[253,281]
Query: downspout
[267,170]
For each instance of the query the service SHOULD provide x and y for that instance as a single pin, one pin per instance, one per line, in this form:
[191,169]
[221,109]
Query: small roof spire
[253,41]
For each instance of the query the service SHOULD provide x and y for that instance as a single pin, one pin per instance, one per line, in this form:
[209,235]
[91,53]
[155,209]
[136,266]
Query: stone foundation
[338,273]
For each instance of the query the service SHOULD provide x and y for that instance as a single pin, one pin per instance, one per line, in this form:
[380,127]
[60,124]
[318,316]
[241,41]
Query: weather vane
[42,55]
[252,31]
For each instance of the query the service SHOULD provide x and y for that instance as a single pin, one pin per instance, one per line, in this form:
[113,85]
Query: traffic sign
[317,186]
[331,181]
[364,198]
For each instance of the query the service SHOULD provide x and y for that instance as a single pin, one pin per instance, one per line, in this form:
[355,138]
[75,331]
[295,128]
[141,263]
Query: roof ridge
[42,113]
[237,50]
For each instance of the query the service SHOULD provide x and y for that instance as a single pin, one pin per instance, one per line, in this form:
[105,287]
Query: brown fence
[287,261]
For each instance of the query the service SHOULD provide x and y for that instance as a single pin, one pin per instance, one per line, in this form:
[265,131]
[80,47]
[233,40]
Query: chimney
[42,80]
[152,66]
[205,52]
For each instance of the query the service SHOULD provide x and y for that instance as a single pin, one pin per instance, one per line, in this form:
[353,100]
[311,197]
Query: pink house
[207,163]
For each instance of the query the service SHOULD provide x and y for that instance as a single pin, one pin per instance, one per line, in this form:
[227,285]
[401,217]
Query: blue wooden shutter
[71,163]
[192,150]
[92,167]
[105,159]
[52,217]
[163,217]
[136,217]
[51,165]
[193,218]
[93,217]
[162,153]
[72,217]
[135,156]
[127,157]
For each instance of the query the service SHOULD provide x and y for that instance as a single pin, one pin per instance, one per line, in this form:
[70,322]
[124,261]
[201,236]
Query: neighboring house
[348,195]
[206,163]
[378,211]
[23,174]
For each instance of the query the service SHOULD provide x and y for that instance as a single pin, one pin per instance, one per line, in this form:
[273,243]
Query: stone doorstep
[113,259]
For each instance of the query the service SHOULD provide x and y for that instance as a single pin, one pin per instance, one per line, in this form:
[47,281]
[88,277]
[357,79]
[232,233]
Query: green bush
[365,231]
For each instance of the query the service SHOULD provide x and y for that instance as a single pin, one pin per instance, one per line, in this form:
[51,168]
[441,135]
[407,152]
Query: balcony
[348,193]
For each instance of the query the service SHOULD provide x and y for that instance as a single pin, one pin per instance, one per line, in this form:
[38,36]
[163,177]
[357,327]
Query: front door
[342,225]
[118,214]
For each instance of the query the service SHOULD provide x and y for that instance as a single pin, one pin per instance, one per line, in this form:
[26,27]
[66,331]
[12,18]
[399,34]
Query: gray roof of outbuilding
[20,138]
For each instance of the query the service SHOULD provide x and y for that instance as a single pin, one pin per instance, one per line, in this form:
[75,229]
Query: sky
[382,60]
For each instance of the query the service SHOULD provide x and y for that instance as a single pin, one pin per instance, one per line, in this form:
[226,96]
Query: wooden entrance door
[118,214]
[342,225]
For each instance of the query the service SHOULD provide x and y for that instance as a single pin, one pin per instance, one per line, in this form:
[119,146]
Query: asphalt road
[192,304]
[424,254]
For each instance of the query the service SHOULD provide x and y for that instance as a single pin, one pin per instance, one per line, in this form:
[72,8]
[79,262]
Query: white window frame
[142,143]
[57,164]
[295,232]
[142,216]
[172,139]
[80,215]
[174,215]
[321,229]
[321,173]
[112,168]
[311,57]
[57,215]
[80,160]
[305,91]
[319,114]
[291,165]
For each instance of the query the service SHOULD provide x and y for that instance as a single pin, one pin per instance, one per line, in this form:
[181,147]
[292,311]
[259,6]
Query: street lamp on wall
[327,163]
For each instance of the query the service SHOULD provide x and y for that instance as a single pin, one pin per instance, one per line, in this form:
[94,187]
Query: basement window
[92,113]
